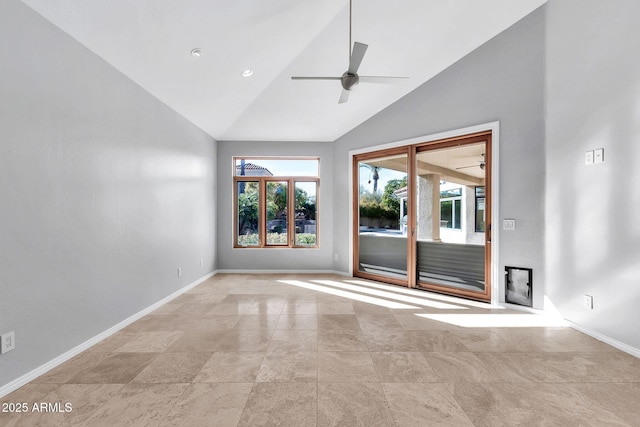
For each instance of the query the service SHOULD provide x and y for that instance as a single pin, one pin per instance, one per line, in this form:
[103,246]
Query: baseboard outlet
[43,369]
[605,339]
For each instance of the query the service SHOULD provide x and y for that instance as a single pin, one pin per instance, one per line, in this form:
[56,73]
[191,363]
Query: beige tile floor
[321,350]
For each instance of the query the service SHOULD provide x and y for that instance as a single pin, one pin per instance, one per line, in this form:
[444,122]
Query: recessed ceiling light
[196,52]
[247,73]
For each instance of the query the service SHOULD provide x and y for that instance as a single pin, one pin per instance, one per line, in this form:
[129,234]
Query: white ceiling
[150,42]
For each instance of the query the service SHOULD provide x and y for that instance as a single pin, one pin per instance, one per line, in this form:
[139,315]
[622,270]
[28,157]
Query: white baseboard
[342,273]
[32,375]
[235,271]
[605,339]
[594,334]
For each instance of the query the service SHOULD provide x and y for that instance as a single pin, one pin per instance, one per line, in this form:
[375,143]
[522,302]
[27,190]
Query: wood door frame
[486,133]
[403,150]
[469,139]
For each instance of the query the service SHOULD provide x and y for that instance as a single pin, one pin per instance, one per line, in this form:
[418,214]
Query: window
[276,202]
[247,204]
[451,208]
[480,200]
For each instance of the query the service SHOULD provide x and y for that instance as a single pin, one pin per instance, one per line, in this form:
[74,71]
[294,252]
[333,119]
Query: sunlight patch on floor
[364,288]
[350,295]
[492,320]
[423,294]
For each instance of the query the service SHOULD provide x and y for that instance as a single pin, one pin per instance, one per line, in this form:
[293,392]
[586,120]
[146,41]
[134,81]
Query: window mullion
[262,213]
[291,214]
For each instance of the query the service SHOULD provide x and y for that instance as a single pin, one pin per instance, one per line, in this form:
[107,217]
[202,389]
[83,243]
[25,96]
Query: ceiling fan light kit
[350,78]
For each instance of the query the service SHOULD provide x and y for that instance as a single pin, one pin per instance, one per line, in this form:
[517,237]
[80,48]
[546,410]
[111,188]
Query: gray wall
[500,81]
[593,101]
[104,193]
[277,258]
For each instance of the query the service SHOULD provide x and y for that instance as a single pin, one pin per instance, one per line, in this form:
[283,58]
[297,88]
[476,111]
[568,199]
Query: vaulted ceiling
[150,41]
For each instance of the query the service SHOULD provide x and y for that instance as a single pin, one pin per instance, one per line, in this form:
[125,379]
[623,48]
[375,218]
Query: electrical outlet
[8,342]
[588,302]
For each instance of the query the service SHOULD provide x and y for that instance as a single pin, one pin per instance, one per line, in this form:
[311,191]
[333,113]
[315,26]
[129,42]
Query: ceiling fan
[481,164]
[350,78]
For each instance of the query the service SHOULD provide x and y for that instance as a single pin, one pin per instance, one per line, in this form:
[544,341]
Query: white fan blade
[357,54]
[314,78]
[382,79]
[344,97]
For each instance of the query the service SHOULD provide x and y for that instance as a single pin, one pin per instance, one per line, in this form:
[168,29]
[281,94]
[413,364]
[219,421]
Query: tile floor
[322,350]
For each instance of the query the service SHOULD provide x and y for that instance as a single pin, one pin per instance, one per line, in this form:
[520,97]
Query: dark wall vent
[519,286]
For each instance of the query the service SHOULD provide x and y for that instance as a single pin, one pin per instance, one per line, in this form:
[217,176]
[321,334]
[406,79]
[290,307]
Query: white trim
[245,271]
[496,277]
[350,215]
[523,308]
[594,334]
[32,375]
[605,339]
[494,127]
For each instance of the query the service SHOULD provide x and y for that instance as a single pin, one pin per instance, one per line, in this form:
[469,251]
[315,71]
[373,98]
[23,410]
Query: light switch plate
[509,224]
[598,155]
[588,158]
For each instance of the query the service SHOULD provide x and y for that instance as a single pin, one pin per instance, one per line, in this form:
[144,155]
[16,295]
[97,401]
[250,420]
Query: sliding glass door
[421,215]
[451,240]
[380,214]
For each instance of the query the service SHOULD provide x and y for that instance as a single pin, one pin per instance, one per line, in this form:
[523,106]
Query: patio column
[428,200]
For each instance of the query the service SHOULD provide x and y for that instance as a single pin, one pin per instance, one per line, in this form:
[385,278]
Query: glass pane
[450,252]
[306,208]
[446,220]
[382,244]
[452,192]
[247,197]
[277,223]
[480,214]
[457,214]
[276,167]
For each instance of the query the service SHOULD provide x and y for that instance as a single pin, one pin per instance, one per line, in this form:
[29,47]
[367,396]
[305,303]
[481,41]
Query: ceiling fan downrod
[350,78]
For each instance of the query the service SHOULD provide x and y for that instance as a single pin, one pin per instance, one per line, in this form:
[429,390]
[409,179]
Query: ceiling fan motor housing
[349,80]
